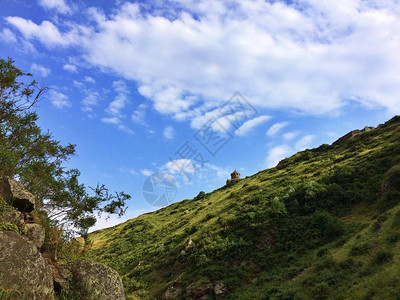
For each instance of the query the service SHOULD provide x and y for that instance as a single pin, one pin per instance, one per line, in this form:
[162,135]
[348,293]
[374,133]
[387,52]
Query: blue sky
[132,82]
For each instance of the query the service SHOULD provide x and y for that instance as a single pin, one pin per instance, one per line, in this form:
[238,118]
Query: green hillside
[323,224]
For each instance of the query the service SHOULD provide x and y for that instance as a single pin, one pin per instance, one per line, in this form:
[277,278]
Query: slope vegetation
[323,224]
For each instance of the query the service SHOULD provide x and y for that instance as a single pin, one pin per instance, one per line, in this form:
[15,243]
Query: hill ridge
[294,231]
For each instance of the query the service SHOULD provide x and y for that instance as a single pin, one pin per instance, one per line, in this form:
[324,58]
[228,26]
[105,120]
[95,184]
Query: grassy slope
[322,224]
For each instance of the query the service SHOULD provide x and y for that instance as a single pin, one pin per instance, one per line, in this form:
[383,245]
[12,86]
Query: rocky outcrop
[15,194]
[94,280]
[220,290]
[349,135]
[197,291]
[11,215]
[174,291]
[200,292]
[34,233]
[24,273]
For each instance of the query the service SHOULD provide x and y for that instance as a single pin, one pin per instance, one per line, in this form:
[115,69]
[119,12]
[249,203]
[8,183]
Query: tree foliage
[37,159]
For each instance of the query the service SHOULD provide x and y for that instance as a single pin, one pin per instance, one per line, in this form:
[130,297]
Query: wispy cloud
[146,172]
[276,128]
[304,142]
[41,70]
[169,133]
[249,125]
[8,36]
[90,79]
[70,68]
[139,115]
[276,154]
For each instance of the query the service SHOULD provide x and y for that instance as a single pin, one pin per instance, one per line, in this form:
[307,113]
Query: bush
[382,256]
[360,249]
[321,290]
[393,237]
[200,196]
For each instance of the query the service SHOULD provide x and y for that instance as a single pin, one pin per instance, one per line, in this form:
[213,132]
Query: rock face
[220,290]
[174,291]
[349,135]
[34,233]
[94,280]
[15,194]
[24,273]
[10,215]
[201,292]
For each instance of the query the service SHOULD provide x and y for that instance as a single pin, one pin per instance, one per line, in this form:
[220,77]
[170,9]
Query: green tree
[37,159]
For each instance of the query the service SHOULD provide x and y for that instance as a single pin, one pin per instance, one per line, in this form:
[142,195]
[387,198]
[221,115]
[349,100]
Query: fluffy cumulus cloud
[187,58]
[58,5]
[58,99]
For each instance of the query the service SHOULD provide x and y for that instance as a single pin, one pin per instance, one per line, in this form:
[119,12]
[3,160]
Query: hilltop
[322,224]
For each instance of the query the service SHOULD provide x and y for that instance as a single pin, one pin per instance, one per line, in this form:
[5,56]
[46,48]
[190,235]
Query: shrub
[321,290]
[393,237]
[382,256]
[360,249]
[200,196]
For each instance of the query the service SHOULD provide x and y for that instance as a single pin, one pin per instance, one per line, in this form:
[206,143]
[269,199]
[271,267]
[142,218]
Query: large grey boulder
[15,194]
[24,273]
[34,233]
[9,214]
[95,281]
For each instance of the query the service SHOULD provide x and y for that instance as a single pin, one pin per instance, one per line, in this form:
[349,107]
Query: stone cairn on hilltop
[27,271]
[235,177]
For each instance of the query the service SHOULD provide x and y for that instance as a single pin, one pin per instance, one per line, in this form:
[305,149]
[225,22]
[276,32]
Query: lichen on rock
[95,281]
[23,270]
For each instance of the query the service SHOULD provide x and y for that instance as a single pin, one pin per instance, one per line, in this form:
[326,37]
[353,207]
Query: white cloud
[146,172]
[121,99]
[8,36]
[90,79]
[316,62]
[47,33]
[290,135]
[180,166]
[41,70]
[138,116]
[169,132]
[105,220]
[111,120]
[274,129]
[59,100]
[304,142]
[125,129]
[249,125]
[220,172]
[276,154]
[70,68]
[91,99]
[58,5]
